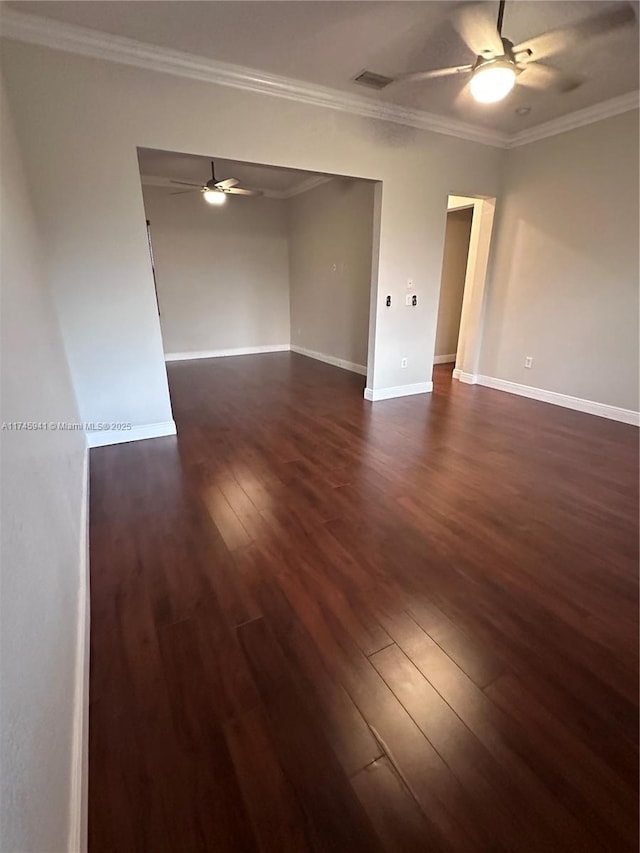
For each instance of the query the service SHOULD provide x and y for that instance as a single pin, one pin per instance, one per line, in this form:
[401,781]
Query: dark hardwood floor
[321,624]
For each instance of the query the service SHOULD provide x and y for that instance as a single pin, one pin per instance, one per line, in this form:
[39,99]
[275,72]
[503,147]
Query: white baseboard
[223,353]
[467,378]
[590,407]
[330,359]
[374,394]
[444,359]
[456,373]
[78,804]
[136,433]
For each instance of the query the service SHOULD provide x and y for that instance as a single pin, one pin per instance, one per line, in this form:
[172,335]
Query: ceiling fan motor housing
[507,56]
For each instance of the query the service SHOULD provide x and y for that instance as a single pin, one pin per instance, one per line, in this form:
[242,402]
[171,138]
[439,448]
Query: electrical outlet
[407,299]
[528,361]
[403,363]
[388,302]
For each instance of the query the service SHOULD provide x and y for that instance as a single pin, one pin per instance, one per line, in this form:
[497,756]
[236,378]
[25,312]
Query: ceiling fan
[215,191]
[500,64]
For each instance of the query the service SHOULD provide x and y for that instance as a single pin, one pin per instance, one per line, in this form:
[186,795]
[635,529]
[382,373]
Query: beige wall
[80,121]
[454,265]
[330,251]
[41,531]
[222,272]
[555,286]
[563,284]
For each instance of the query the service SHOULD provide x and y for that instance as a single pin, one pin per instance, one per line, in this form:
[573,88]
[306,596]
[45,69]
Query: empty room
[320,408]
[251,259]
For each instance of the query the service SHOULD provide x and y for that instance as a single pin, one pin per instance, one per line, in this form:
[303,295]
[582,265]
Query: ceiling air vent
[372,80]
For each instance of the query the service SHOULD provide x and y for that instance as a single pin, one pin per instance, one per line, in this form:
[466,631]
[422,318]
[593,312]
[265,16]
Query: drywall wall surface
[80,121]
[563,283]
[454,265]
[42,496]
[330,256]
[91,215]
[222,272]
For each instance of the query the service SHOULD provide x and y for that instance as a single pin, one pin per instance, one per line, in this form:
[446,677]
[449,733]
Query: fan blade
[565,38]
[539,76]
[185,184]
[476,25]
[418,76]
[182,192]
[240,191]
[226,184]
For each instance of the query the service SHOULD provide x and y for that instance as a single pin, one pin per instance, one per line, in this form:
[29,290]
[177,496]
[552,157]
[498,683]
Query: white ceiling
[196,169]
[329,42]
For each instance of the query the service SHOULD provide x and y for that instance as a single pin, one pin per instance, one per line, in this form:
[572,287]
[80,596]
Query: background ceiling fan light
[214,197]
[492,82]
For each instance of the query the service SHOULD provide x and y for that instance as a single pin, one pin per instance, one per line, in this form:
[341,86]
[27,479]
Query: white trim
[35,29]
[469,341]
[444,359]
[224,353]
[460,202]
[602,410]
[46,32]
[467,378]
[136,433]
[456,373]
[374,394]
[579,118]
[167,184]
[78,802]
[330,359]
[309,184]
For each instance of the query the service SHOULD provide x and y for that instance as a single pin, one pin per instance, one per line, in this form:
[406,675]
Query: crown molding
[167,184]
[45,32]
[38,30]
[303,187]
[306,185]
[579,118]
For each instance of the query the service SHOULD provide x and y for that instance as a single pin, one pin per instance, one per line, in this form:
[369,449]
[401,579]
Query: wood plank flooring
[320,624]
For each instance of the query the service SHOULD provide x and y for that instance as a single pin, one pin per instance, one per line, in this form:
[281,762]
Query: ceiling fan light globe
[492,81]
[214,197]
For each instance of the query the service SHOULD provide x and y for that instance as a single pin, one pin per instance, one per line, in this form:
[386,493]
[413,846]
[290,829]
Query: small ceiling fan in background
[215,191]
[500,64]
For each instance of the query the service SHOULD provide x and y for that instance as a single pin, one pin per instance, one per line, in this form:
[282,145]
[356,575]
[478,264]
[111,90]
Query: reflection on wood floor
[322,624]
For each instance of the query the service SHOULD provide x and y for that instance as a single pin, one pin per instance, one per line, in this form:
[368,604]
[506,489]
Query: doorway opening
[463,283]
[454,266]
[283,261]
